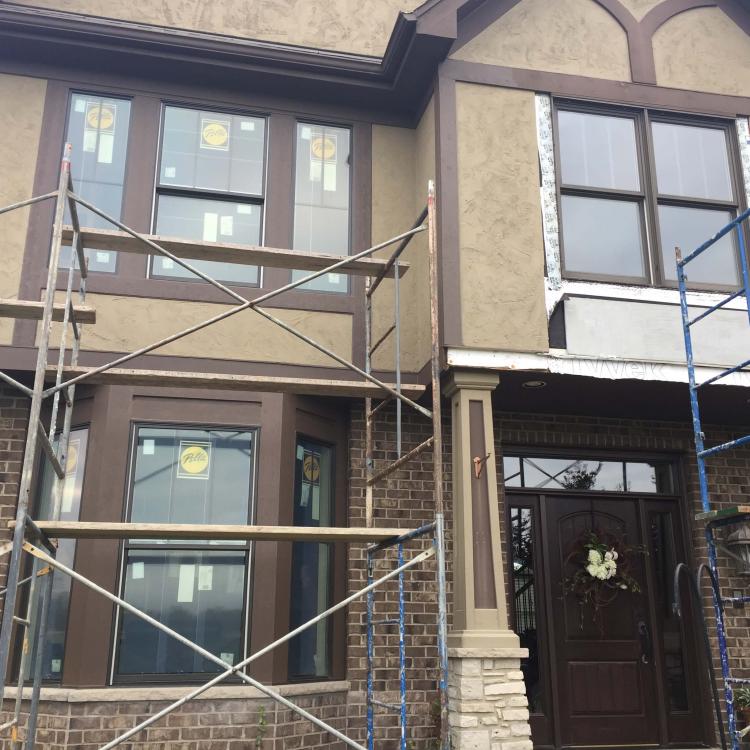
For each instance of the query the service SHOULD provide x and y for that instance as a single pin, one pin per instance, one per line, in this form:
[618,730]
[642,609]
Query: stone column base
[487,702]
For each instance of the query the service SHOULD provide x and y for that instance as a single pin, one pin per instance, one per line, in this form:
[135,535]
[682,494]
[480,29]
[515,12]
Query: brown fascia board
[396,83]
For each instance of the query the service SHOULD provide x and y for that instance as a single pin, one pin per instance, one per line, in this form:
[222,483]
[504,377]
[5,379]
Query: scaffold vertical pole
[35,409]
[437,467]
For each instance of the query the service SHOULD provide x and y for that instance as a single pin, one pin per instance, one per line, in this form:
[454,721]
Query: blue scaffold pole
[402,646]
[370,604]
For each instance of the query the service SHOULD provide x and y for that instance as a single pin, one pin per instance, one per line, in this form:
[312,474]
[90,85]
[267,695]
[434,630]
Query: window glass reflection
[598,151]
[588,474]
[198,594]
[98,132]
[57,619]
[602,236]
[309,652]
[321,198]
[525,606]
[206,220]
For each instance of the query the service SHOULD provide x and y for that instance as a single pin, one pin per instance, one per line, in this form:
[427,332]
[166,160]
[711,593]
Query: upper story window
[98,131]
[322,197]
[210,187]
[634,185]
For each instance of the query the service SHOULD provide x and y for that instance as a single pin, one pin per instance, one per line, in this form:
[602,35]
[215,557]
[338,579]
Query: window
[98,131]
[182,475]
[322,198]
[570,473]
[525,607]
[620,224]
[309,652]
[210,187]
[57,619]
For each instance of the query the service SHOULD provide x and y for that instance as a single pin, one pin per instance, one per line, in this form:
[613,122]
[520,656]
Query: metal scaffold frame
[34,538]
[727,516]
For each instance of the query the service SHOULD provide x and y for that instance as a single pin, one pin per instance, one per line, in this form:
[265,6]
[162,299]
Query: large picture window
[312,562]
[70,508]
[634,185]
[98,132]
[210,187]
[184,475]
[322,198]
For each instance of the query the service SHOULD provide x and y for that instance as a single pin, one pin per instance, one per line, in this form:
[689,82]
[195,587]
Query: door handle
[644,634]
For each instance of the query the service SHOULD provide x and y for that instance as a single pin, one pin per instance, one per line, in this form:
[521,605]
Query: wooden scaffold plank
[101,530]
[30,310]
[263,383]
[221,252]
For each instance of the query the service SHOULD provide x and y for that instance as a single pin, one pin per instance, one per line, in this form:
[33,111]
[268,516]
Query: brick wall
[204,724]
[14,417]
[404,499]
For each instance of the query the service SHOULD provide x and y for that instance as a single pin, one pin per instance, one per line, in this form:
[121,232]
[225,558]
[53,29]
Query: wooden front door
[628,678]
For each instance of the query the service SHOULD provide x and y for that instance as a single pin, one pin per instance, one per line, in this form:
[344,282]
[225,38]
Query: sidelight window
[322,198]
[312,562]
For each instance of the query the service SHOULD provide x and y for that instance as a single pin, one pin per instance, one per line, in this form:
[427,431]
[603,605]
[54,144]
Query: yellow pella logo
[311,468]
[194,460]
[215,134]
[323,148]
[100,117]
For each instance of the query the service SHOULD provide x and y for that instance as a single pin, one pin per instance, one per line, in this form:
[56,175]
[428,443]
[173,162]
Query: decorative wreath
[603,563]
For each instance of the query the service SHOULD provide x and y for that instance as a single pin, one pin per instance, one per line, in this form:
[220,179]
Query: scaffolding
[715,518]
[35,539]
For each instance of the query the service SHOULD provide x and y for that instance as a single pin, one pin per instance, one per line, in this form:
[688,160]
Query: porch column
[487,697]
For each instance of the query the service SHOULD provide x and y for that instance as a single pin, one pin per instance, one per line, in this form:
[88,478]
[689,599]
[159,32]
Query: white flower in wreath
[595,557]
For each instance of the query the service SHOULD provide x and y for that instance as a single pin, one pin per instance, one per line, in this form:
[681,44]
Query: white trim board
[558,362]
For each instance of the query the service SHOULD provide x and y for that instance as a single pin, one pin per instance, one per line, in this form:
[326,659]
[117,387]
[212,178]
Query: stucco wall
[500,233]
[20,121]
[566,36]
[703,50]
[639,8]
[403,161]
[361,26]
[127,323]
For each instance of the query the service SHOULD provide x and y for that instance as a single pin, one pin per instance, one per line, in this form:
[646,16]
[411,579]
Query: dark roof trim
[397,82]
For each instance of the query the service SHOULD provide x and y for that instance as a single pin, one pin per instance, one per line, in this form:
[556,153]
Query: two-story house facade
[573,144]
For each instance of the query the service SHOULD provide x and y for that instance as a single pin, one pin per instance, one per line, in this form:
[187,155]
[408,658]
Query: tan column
[480,617]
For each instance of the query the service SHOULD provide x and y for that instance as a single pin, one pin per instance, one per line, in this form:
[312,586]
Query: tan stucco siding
[639,8]
[359,26]
[500,234]
[577,37]
[403,160]
[703,50]
[127,323]
[21,108]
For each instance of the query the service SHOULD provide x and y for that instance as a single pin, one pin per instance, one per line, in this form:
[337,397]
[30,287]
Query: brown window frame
[131,278]
[648,196]
[251,199]
[173,678]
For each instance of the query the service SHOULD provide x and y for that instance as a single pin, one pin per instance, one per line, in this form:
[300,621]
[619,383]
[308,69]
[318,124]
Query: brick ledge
[173,692]
[488,653]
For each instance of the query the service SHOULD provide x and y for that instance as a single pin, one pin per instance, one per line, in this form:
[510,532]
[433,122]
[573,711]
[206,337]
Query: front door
[604,676]
[619,675]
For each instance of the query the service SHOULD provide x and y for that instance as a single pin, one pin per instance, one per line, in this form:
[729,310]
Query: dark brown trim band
[597,89]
